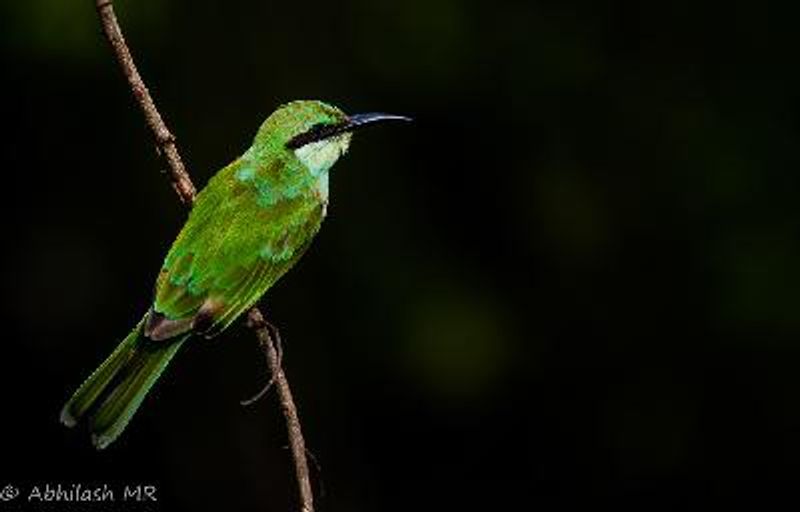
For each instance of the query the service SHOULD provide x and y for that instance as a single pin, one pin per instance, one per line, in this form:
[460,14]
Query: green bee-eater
[250,224]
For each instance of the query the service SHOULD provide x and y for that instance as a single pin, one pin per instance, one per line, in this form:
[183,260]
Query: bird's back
[249,225]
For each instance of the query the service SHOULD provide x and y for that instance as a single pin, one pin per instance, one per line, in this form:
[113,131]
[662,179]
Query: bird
[249,225]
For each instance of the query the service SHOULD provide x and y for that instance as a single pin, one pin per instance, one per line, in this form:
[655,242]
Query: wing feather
[231,250]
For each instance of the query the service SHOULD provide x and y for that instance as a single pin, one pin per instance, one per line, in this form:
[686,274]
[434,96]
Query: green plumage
[249,225]
[115,390]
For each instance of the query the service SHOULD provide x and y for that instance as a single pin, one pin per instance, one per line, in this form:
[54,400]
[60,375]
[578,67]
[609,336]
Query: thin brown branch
[182,183]
[298,445]
[164,138]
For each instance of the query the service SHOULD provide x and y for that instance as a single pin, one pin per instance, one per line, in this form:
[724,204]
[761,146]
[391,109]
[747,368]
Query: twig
[276,336]
[256,321]
[164,139]
[186,191]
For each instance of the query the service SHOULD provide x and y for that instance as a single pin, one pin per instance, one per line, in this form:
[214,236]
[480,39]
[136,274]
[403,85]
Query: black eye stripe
[319,131]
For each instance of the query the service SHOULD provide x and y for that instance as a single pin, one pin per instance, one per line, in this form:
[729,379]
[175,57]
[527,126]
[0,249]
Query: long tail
[112,394]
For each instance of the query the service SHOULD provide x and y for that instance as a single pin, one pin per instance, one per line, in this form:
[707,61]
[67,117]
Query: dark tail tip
[101,441]
[66,417]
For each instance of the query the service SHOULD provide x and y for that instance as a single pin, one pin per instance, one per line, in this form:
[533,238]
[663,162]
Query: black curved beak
[349,125]
[358,121]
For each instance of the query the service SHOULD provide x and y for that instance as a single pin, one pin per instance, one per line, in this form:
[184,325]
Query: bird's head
[315,132]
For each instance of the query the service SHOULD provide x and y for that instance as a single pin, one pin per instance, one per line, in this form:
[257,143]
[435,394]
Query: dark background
[573,281]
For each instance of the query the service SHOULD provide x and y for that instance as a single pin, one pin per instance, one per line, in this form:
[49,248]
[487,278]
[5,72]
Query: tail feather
[112,394]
